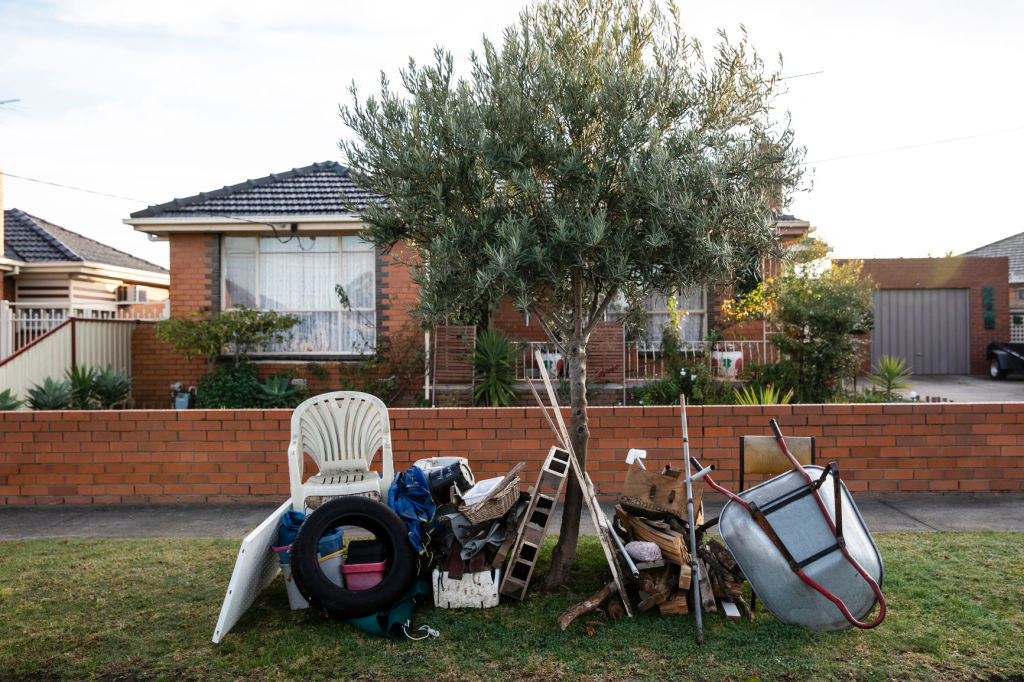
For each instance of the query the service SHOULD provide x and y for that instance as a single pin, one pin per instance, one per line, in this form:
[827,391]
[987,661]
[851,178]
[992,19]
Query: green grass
[127,609]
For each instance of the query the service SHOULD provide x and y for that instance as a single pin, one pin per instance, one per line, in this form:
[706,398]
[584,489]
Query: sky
[911,112]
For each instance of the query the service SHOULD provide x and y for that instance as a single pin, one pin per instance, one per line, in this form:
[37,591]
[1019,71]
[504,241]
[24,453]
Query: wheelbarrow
[803,546]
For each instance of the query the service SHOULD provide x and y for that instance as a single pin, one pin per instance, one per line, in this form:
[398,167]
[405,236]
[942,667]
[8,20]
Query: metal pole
[694,568]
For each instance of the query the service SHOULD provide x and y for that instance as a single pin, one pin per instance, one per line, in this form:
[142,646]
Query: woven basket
[495,507]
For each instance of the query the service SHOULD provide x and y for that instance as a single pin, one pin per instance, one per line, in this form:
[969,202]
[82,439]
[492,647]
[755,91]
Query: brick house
[48,266]
[939,314]
[283,241]
[1011,248]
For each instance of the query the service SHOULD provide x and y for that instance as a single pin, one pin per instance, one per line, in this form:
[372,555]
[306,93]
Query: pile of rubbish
[467,543]
[366,562]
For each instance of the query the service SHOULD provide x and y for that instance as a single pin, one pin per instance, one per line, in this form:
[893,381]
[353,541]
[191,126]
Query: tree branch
[592,323]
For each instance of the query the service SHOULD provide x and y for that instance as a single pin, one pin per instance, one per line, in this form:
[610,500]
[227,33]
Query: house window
[1020,293]
[690,303]
[298,277]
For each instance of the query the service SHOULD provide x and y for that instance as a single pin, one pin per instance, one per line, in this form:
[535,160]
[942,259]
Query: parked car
[1004,358]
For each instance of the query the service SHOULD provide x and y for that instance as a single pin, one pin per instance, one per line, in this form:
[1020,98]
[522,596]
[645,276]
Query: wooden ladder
[543,497]
[524,557]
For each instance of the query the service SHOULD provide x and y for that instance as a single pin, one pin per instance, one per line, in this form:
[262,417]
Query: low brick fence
[228,455]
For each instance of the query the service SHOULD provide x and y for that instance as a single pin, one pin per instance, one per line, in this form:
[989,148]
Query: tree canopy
[598,149]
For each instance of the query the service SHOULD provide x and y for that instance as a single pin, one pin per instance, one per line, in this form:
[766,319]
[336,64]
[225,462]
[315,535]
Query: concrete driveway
[960,388]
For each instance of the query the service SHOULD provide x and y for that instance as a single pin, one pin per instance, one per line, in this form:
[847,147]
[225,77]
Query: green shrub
[822,318]
[231,386]
[81,381]
[781,375]
[8,401]
[692,379]
[51,395]
[237,332]
[278,391]
[111,388]
[766,395]
[494,369]
[891,374]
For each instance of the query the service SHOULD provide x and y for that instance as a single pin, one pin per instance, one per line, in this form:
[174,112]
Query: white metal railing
[1017,327]
[726,358]
[74,343]
[526,364]
[647,362]
[22,323]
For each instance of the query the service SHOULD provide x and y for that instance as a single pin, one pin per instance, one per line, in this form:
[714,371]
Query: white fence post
[6,330]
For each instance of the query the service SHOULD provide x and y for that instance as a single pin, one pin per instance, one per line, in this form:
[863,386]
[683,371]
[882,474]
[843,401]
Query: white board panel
[256,566]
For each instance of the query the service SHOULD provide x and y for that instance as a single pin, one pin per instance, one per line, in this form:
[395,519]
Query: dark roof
[33,240]
[314,190]
[1012,248]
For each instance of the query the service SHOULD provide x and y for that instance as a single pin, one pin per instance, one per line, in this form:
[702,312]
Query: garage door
[928,327]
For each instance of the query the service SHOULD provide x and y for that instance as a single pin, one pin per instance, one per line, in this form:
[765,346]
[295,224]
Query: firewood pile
[650,519]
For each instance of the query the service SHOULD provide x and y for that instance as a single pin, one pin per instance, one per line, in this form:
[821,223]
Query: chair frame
[342,432]
[796,446]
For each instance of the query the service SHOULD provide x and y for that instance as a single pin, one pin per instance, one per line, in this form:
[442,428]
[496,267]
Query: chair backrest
[342,431]
[763,455]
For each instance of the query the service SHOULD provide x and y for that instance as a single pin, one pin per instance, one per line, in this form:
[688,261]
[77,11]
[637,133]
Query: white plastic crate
[472,591]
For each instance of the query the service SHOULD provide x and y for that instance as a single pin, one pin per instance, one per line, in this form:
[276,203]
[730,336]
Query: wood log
[615,608]
[658,588]
[685,572]
[707,593]
[587,605]
[671,543]
[677,604]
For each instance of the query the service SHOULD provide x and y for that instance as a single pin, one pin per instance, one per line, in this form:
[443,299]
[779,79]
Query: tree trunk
[579,434]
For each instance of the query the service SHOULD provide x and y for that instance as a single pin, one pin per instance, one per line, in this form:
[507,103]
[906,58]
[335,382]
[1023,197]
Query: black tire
[994,370]
[319,591]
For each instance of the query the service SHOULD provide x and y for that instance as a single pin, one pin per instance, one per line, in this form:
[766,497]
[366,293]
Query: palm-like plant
[81,380]
[891,375]
[277,391]
[764,395]
[111,387]
[51,395]
[494,367]
[8,401]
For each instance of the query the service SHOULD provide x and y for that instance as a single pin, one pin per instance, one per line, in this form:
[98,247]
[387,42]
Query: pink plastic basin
[362,576]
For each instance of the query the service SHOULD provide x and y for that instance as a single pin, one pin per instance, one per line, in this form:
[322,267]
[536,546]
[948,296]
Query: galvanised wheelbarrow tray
[804,548]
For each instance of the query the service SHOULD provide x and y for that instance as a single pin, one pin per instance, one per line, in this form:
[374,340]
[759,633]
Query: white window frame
[367,348]
[650,311]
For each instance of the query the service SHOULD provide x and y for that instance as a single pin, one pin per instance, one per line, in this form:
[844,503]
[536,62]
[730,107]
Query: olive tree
[596,149]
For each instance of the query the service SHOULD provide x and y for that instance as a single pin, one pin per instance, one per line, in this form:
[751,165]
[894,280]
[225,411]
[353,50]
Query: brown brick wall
[195,286]
[954,273]
[227,455]
[195,273]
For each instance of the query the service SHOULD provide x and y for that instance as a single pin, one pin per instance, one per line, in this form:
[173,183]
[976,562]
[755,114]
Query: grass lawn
[127,609]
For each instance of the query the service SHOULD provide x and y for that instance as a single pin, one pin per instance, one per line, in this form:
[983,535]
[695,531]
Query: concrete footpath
[882,514]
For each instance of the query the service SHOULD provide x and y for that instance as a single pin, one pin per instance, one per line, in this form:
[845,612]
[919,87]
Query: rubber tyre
[995,371]
[373,516]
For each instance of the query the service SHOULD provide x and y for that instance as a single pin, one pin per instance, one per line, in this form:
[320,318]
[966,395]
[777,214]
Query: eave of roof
[99,270]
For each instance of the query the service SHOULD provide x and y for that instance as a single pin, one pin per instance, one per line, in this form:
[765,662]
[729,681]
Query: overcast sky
[914,126]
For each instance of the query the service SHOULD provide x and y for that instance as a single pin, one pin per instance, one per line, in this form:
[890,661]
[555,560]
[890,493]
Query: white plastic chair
[341,432]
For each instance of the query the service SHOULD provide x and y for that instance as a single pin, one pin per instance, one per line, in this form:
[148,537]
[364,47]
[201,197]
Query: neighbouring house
[1012,248]
[51,273]
[939,314]
[282,242]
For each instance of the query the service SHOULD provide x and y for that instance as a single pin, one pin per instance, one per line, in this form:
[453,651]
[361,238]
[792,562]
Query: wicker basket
[495,507]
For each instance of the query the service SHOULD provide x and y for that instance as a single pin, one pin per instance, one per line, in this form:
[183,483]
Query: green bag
[393,622]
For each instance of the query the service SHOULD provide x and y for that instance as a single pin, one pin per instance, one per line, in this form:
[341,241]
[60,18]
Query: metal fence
[20,324]
[645,363]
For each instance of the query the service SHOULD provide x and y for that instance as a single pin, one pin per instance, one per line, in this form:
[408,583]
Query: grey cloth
[473,543]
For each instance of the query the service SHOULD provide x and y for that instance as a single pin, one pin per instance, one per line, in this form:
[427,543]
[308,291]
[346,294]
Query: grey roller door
[930,328]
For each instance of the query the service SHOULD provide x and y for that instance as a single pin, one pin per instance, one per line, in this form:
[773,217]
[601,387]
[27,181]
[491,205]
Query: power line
[915,146]
[151,203]
[800,75]
[78,189]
